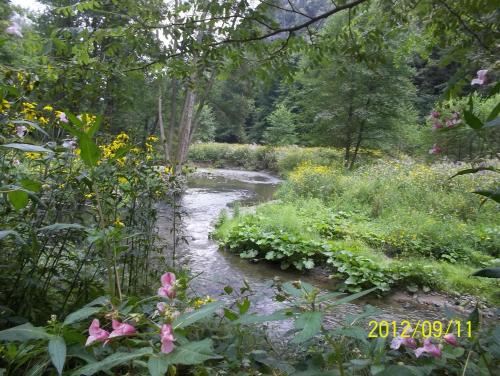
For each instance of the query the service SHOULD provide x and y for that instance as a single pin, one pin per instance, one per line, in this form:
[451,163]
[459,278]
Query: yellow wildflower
[33,155]
[152,138]
[89,195]
[122,137]
[43,120]
[149,147]
[118,223]
[167,170]
[48,108]
[122,180]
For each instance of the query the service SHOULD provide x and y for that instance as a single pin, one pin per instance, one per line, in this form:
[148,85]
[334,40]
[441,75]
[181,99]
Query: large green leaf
[81,314]
[90,153]
[18,198]
[492,195]
[310,325]
[488,273]
[158,365]
[23,333]
[190,318]
[57,352]
[474,170]
[494,113]
[5,233]
[27,148]
[193,353]
[352,297]
[31,185]
[257,319]
[62,226]
[472,120]
[111,361]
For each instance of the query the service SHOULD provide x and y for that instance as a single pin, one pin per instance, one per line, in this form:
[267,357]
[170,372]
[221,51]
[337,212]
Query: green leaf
[62,226]
[494,113]
[111,361]
[81,314]
[257,319]
[193,353]
[30,123]
[158,365]
[90,153]
[309,323]
[72,131]
[5,233]
[57,352]
[492,195]
[472,120]
[231,315]
[243,307]
[23,333]
[27,148]
[31,185]
[95,127]
[493,123]
[488,273]
[192,317]
[19,199]
[352,297]
[474,170]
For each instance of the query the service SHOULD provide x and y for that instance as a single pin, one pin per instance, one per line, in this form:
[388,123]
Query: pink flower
[96,333]
[121,329]
[481,77]
[21,131]
[14,29]
[428,348]
[450,339]
[435,149]
[435,114]
[405,341]
[62,117]
[69,144]
[167,283]
[161,307]
[167,339]
[437,125]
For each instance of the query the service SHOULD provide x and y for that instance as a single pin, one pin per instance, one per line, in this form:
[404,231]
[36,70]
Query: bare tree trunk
[163,139]
[358,144]
[185,125]
[173,114]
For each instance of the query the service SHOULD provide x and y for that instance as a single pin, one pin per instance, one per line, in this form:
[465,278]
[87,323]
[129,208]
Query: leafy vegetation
[381,116]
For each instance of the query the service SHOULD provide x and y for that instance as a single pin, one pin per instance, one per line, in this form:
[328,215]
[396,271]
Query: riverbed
[211,191]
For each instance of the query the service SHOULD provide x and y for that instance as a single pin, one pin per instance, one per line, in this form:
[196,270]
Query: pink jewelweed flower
[435,114]
[21,131]
[435,149]
[62,117]
[451,339]
[481,77]
[167,285]
[437,125]
[405,341]
[96,333]
[14,29]
[167,339]
[121,329]
[429,348]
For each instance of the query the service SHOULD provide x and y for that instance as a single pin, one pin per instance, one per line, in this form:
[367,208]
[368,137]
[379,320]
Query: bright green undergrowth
[393,223]
[281,159]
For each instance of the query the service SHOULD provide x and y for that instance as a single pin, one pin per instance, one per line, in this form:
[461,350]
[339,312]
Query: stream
[212,190]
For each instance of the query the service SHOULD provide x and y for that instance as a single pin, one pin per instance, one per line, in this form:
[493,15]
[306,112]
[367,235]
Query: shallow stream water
[212,190]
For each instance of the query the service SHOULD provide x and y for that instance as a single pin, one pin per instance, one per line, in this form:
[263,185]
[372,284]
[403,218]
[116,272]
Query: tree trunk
[358,144]
[163,139]
[185,125]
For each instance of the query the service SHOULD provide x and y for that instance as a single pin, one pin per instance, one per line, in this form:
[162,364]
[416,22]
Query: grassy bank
[389,223]
[281,159]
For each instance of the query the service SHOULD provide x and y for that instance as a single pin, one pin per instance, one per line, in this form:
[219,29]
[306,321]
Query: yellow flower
[152,138]
[118,223]
[33,155]
[121,161]
[199,301]
[48,108]
[167,170]
[78,151]
[89,195]
[122,180]
[149,147]
[4,105]
[135,150]
[123,137]
[43,120]
[61,186]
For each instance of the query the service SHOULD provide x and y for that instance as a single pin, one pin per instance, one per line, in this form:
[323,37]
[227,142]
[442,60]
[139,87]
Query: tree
[281,130]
